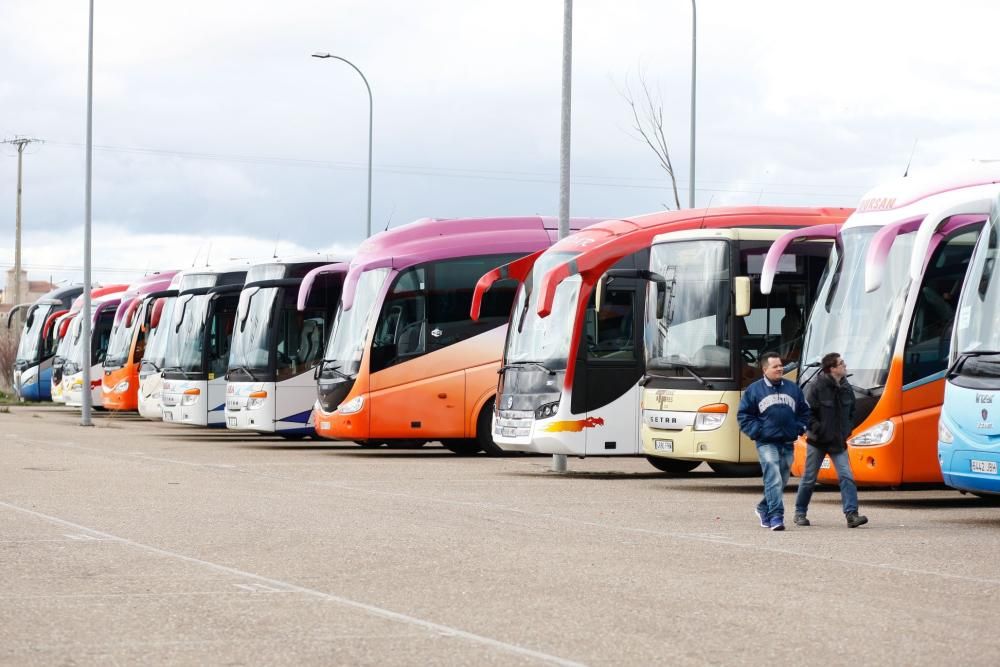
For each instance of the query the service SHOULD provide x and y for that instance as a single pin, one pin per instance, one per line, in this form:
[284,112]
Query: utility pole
[559,460]
[21,143]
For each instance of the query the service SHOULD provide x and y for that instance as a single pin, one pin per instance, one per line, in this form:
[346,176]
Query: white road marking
[380,612]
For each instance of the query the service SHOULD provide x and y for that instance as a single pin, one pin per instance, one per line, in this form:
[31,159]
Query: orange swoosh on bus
[575,426]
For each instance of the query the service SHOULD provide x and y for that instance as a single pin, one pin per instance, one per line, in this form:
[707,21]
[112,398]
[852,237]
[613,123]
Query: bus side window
[610,334]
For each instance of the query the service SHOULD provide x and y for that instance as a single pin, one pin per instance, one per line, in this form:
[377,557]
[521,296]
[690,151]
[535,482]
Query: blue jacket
[775,414]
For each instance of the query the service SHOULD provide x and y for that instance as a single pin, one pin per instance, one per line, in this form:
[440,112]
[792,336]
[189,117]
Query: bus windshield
[543,340]
[860,325]
[30,346]
[350,327]
[252,336]
[694,332]
[156,348]
[185,346]
[121,342]
[977,336]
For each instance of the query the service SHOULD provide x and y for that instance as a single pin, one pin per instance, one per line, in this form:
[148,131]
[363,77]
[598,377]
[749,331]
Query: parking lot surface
[145,543]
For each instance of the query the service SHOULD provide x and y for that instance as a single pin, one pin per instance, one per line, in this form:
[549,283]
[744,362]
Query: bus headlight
[547,410]
[710,417]
[190,396]
[256,399]
[121,387]
[879,434]
[944,434]
[352,406]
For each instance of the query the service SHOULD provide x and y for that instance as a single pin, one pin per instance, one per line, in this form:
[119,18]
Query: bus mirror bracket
[741,289]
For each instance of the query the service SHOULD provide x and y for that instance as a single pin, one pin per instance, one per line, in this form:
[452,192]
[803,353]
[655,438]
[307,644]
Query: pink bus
[405,363]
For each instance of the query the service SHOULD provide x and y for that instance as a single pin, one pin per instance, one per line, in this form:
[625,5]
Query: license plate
[663,445]
[825,465]
[508,432]
[231,422]
[989,467]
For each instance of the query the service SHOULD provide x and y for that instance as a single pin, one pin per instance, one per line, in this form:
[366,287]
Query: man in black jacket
[831,402]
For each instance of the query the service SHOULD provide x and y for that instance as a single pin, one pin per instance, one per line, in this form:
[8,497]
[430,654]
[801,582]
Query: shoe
[764,523]
[854,520]
[777,523]
[801,520]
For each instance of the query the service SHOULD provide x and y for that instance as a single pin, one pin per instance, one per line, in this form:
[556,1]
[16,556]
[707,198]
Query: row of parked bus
[632,337]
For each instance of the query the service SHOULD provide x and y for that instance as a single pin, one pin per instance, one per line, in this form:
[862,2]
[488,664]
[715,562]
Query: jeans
[775,463]
[841,462]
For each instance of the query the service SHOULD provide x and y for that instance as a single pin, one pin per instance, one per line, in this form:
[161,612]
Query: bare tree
[8,351]
[647,117]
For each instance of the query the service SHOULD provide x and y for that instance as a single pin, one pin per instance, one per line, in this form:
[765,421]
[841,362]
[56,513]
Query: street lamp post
[694,70]
[368,228]
[85,311]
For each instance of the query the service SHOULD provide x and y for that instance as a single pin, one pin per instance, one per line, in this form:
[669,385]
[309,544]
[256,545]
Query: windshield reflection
[30,346]
[121,341]
[251,344]
[543,340]
[350,327]
[977,334]
[186,344]
[860,325]
[156,345]
[694,332]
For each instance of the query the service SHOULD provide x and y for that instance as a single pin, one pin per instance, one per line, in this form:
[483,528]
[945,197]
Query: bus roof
[152,282]
[432,239]
[598,247]
[915,195]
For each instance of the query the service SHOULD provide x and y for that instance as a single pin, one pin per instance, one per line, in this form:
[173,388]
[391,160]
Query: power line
[623,182]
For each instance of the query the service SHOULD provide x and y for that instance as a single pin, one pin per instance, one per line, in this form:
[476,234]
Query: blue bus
[37,347]
[969,428]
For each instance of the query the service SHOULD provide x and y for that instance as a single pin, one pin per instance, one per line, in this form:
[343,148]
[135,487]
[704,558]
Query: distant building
[31,290]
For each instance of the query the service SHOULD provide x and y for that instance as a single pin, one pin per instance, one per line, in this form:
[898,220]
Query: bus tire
[735,469]
[673,466]
[484,431]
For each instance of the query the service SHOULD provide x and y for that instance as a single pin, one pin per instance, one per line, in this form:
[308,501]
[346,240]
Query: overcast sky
[213,126]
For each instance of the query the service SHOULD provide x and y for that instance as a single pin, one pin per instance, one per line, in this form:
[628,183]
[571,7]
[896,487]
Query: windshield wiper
[688,368]
[167,369]
[336,369]
[244,369]
[869,391]
[812,364]
[965,356]
[515,364]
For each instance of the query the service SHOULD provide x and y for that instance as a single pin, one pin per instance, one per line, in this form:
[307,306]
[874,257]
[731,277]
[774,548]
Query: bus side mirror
[661,299]
[741,288]
[599,291]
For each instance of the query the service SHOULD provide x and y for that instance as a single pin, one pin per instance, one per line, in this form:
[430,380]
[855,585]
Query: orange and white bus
[128,342]
[893,326]
[405,363]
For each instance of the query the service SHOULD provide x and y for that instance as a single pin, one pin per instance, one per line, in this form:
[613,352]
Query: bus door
[609,365]
[925,354]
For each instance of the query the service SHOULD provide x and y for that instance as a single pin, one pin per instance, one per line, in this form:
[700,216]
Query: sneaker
[764,523]
[801,520]
[777,523]
[854,520]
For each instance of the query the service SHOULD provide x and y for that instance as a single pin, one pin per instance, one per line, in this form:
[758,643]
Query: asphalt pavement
[146,543]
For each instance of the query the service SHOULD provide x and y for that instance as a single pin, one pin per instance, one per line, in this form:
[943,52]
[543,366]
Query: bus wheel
[463,447]
[735,469]
[484,431]
[675,466]
[370,444]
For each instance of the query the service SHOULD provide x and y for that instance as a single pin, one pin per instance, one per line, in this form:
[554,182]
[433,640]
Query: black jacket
[832,413]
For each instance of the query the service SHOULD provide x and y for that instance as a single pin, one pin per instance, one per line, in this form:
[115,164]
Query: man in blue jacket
[773,413]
